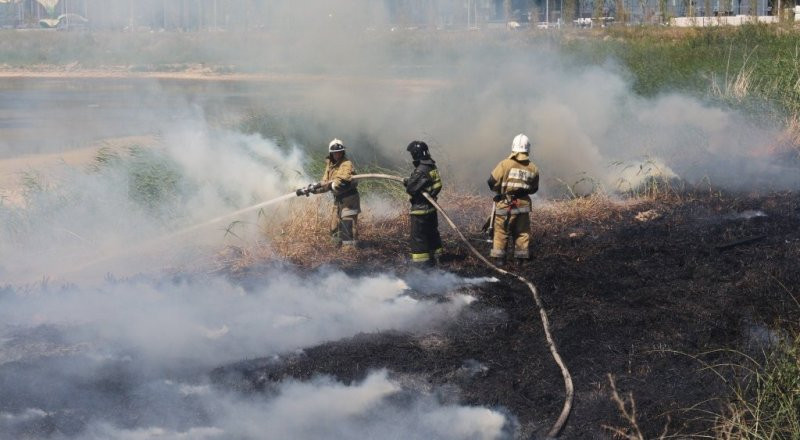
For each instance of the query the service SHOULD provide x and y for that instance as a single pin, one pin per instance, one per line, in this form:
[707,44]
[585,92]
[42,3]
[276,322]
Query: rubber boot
[520,263]
[498,261]
[423,265]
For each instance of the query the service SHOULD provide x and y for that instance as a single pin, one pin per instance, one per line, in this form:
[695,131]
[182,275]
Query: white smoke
[472,98]
[110,219]
[206,321]
[129,358]
[324,408]
[321,408]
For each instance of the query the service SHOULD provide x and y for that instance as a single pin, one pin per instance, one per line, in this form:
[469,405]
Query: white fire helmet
[521,144]
[335,146]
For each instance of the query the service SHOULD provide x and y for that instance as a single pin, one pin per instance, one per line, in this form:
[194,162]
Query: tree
[621,15]
[689,7]
[647,14]
[570,8]
[598,10]
[663,10]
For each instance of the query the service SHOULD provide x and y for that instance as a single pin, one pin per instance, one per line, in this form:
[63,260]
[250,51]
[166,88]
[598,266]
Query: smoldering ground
[128,359]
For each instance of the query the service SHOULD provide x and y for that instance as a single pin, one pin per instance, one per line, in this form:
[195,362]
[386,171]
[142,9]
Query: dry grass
[559,217]
[659,33]
[787,145]
[764,400]
[300,234]
[627,408]
[301,237]
[735,87]
[469,211]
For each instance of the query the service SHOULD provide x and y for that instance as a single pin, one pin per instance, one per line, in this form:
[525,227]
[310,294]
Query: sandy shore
[201,73]
[12,170]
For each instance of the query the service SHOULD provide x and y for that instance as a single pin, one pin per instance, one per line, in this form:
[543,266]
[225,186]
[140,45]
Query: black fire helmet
[418,150]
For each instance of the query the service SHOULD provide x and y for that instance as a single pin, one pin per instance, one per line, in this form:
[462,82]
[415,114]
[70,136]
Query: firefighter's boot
[499,261]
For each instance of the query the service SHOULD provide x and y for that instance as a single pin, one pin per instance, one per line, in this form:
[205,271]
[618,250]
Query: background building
[275,15]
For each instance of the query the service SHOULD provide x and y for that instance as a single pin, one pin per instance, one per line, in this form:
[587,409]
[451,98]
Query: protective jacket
[424,178]
[426,243]
[514,179]
[338,178]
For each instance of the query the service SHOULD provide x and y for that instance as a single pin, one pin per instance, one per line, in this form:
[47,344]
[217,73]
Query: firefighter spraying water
[514,179]
[338,179]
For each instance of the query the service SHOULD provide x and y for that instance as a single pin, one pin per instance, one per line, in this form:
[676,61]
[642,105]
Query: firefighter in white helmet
[513,180]
[338,179]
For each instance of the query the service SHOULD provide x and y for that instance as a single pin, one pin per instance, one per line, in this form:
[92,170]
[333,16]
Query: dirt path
[201,73]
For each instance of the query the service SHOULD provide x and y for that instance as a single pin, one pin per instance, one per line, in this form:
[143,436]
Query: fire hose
[562,418]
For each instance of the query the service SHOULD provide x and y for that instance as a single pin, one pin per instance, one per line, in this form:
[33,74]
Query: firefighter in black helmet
[426,244]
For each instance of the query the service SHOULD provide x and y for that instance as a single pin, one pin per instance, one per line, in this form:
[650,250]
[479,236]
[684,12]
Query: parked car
[71,21]
[67,21]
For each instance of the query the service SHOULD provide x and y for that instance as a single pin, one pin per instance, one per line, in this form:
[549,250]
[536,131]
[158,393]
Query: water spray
[165,238]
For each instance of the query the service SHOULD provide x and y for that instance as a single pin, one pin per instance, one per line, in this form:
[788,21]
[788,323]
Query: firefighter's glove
[301,192]
[497,198]
[405,181]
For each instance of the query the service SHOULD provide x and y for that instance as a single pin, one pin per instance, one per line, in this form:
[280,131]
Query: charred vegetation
[645,290]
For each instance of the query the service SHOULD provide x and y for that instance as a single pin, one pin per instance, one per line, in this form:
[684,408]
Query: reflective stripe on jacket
[515,178]
[424,178]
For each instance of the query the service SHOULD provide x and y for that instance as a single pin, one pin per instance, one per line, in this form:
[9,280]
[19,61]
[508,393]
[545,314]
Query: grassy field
[752,68]
[755,67]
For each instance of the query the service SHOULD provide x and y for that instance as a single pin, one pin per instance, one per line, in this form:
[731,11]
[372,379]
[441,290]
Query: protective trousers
[518,228]
[426,244]
[344,219]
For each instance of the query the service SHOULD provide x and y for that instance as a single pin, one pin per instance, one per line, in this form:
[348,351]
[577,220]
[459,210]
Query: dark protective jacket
[424,178]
